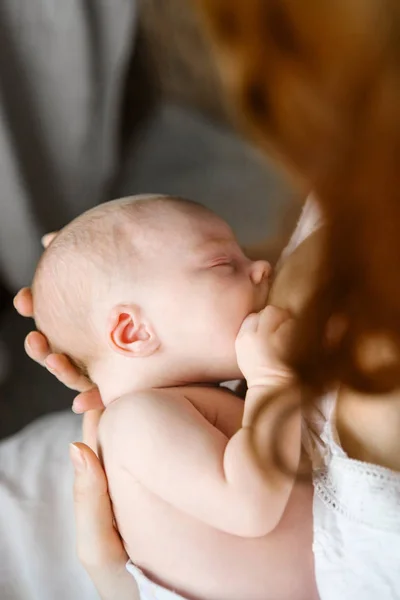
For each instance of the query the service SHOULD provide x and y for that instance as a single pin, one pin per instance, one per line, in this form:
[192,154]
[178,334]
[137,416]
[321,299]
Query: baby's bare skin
[199,561]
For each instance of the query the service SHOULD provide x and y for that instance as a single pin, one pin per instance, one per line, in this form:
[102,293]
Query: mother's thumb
[93,513]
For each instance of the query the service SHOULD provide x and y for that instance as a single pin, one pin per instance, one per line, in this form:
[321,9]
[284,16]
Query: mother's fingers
[99,546]
[37,347]
[23,302]
[61,367]
[89,400]
[91,420]
[48,238]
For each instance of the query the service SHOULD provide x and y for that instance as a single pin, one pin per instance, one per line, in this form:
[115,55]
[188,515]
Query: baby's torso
[200,562]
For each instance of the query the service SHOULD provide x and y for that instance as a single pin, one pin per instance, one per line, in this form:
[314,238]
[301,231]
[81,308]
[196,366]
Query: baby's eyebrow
[216,248]
[216,244]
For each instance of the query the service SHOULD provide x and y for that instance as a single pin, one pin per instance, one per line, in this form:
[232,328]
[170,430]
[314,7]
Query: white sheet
[37,537]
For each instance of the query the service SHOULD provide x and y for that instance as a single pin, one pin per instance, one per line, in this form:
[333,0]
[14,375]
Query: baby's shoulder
[128,418]
[151,405]
[139,402]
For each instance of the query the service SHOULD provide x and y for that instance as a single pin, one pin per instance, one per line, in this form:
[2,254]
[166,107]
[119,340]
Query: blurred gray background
[175,138]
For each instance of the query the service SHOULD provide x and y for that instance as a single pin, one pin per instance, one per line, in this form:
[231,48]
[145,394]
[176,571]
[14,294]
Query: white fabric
[148,589]
[37,536]
[356,521]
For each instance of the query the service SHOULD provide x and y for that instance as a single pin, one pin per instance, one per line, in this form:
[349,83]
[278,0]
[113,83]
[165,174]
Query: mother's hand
[99,545]
[38,349]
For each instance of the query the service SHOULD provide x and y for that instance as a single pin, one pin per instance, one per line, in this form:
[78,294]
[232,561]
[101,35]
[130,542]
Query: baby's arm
[173,451]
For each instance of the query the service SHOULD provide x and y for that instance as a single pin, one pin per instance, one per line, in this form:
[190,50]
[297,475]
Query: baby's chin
[231,374]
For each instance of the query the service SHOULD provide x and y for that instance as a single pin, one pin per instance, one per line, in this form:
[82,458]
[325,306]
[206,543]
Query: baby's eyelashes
[220,262]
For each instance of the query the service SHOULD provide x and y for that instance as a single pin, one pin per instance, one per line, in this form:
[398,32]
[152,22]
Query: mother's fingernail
[33,343]
[76,407]
[50,365]
[77,457]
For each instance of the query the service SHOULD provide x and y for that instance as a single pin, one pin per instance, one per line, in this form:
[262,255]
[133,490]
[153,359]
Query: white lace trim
[365,493]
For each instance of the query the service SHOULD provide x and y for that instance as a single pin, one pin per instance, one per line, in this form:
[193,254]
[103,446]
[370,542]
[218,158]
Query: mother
[318,84]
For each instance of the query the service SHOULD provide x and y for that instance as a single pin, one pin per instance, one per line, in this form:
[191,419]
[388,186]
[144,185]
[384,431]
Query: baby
[148,296]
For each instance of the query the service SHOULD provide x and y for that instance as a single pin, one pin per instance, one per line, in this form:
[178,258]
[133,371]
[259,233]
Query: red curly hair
[317,84]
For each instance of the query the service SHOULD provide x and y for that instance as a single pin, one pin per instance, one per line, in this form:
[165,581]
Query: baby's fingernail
[77,457]
[249,323]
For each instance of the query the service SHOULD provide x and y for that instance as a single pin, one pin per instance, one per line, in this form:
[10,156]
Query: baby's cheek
[233,322]
[230,307]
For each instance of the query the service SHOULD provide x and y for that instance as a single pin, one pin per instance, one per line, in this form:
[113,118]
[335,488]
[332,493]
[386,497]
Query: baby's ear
[130,333]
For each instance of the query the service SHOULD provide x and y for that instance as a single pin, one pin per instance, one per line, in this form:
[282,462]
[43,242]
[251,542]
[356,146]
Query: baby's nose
[260,269]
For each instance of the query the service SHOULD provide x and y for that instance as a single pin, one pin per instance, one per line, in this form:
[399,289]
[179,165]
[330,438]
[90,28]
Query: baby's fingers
[272,318]
[249,325]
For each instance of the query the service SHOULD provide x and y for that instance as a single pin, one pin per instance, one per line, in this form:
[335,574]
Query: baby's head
[147,292]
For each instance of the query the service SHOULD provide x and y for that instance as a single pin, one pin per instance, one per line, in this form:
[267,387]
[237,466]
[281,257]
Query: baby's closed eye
[225,268]
[224,264]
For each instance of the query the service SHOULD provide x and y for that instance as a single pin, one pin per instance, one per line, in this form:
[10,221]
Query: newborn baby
[147,296]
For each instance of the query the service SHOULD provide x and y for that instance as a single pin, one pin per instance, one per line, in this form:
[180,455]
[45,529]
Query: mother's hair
[317,83]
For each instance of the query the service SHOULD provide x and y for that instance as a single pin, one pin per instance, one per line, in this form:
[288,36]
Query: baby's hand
[260,347]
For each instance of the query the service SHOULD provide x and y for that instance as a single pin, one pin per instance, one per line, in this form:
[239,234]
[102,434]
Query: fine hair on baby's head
[97,258]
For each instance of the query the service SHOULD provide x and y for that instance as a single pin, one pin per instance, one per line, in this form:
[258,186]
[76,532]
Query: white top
[356,521]
[356,505]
